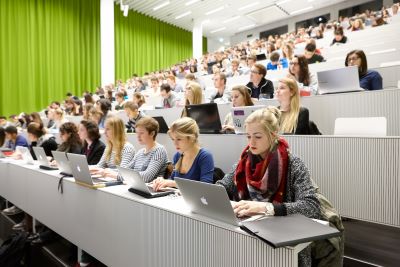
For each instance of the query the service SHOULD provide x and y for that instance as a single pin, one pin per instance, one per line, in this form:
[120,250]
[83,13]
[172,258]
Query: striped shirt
[152,164]
[127,154]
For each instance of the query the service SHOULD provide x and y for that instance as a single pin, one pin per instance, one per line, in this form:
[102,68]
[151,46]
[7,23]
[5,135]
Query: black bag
[13,250]
[218,174]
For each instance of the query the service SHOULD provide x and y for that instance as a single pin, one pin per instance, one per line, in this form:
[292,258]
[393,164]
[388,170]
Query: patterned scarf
[263,179]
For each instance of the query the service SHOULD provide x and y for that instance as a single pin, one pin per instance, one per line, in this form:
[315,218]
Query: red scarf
[267,176]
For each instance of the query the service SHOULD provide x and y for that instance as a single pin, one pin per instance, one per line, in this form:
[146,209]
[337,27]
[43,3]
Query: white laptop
[62,162]
[26,154]
[239,116]
[42,158]
[138,186]
[207,199]
[341,80]
[81,173]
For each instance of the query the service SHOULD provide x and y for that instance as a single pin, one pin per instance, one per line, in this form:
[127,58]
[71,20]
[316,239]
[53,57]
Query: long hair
[304,75]
[73,140]
[119,138]
[244,91]
[289,121]
[363,69]
[197,96]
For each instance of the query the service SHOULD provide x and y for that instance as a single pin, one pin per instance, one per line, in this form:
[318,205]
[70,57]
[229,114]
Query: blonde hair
[185,128]
[197,96]
[59,112]
[119,138]
[269,120]
[289,121]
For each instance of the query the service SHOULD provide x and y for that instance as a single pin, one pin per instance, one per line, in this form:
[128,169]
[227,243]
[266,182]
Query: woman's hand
[109,173]
[246,208]
[227,127]
[160,183]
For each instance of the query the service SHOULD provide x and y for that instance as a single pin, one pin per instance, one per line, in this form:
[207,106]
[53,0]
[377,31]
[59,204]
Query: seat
[364,126]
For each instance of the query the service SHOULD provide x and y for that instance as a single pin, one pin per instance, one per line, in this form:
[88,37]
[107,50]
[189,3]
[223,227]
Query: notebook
[162,123]
[25,153]
[80,171]
[206,117]
[138,186]
[42,158]
[62,162]
[341,80]
[239,116]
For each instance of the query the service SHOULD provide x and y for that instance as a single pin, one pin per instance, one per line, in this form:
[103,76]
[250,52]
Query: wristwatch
[269,209]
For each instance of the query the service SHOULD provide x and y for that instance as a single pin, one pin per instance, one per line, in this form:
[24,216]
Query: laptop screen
[206,116]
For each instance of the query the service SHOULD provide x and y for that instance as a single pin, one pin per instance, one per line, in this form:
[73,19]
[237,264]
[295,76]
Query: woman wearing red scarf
[268,179]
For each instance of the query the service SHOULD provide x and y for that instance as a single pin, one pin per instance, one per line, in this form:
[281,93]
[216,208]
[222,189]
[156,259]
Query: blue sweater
[201,170]
[20,141]
[372,80]
[283,62]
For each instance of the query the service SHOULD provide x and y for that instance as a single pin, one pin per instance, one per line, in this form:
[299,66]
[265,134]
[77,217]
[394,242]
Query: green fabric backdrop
[47,47]
[146,44]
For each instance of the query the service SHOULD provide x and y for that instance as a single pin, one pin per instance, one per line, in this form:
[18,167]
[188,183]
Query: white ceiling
[229,17]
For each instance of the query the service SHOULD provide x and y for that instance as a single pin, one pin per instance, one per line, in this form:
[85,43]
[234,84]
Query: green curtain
[144,44]
[47,48]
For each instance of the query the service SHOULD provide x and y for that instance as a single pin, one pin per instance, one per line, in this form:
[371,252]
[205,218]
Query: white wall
[213,44]
[291,22]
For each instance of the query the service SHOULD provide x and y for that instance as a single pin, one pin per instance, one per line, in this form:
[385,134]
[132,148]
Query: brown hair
[36,129]
[140,99]
[92,130]
[244,91]
[73,140]
[304,75]
[261,69]
[131,106]
[150,124]
[362,70]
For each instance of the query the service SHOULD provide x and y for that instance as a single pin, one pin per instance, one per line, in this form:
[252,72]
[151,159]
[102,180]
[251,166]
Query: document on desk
[280,231]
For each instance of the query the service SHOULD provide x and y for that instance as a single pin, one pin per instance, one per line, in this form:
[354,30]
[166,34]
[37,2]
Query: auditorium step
[371,244]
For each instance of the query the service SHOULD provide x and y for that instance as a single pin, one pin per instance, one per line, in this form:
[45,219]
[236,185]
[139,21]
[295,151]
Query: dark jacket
[48,143]
[264,87]
[94,152]
[303,122]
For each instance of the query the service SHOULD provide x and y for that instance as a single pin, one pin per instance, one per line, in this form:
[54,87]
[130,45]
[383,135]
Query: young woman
[38,137]
[193,96]
[240,97]
[118,151]
[35,117]
[268,179]
[57,115]
[369,79]
[104,106]
[294,119]
[190,161]
[138,99]
[86,110]
[71,143]
[298,69]
[150,161]
[93,147]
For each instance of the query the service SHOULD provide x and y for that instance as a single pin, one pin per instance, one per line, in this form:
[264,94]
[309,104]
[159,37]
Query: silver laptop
[62,162]
[239,116]
[80,171]
[339,81]
[138,186]
[42,158]
[26,154]
[207,199]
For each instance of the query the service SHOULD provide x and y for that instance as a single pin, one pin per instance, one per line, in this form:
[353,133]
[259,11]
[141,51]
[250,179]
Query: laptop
[62,162]
[207,199]
[25,153]
[239,116]
[80,171]
[162,123]
[42,158]
[138,186]
[206,116]
[261,56]
[341,80]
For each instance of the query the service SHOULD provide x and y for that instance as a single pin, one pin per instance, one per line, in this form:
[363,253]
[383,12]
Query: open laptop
[341,80]
[25,153]
[162,123]
[239,116]
[62,162]
[207,199]
[81,173]
[42,158]
[138,186]
[206,116]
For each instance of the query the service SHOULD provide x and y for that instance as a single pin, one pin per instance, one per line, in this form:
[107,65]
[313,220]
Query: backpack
[13,250]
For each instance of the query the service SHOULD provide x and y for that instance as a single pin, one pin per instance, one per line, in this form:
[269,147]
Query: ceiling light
[246,27]
[248,6]
[301,10]
[215,10]
[191,2]
[218,30]
[231,19]
[166,3]
[183,15]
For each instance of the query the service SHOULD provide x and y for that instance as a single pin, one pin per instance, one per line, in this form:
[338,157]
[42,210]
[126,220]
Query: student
[88,99]
[134,115]
[13,138]
[39,138]
[193,95]
[340,38]
[154,89]
[240,97]
[310,54]
[235,71]
[168,97]
[287,52]
[369,79]
[190,161]
[4,123]
[258,85]
[221,94]
[86,110]
[118,151]
[119,98]
[104,106]
[299,71]
[2,136]
[57,115]
[268,179]
[276,63]
[174,86]
[358,25]
[294,119]
[138,99]
[35,117]
[92,147]
[71,143]
[150,161]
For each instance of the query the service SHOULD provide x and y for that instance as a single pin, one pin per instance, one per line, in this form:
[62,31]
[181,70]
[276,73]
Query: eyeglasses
[255,72]
[293,63]
[352,59]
